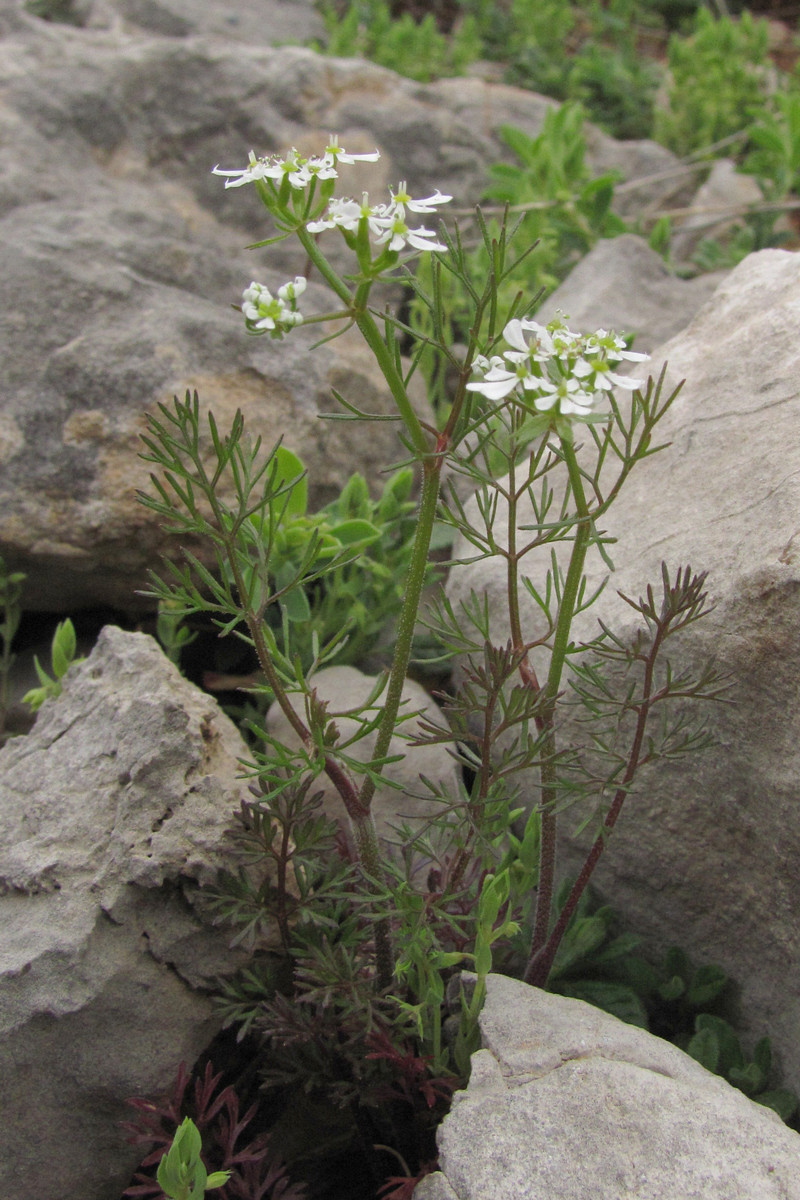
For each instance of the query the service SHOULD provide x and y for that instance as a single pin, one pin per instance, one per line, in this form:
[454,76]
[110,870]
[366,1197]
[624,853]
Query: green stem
[566,612]
[407,620]
[372,336]
[363,825]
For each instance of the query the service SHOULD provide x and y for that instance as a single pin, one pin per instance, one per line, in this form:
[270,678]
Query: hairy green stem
[371,334]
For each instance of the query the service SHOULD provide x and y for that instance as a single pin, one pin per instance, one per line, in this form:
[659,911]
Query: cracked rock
[112,816]
[568,1103]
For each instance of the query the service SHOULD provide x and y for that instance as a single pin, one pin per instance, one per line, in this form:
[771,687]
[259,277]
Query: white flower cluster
[549,366]
[276,315]
[385,222]
[298,170]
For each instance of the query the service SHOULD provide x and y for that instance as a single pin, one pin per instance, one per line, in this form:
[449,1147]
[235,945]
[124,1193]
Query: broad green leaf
[522,145]
[762,1055]
[730,1050]
[355,531]
[705,985]
[44,678]
[217,1179]
[781,1100]
[295,604]
[677,962]
[620,947]
[704,1048]
[748,1079]
[354,499]
[579,940]
[614,998]
[638,974]
[60,656]
[290,468]
[672,989]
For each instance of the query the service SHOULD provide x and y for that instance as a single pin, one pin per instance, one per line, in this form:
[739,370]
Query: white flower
[539,348]
[276,315]
[553,368]
[483,364]
[401,200]
[348,213]
[497,381]
[612,346]
[338,154]
[606,379]
[300,171]
[290,291]
[572,399]
[395,231]
[258,168]
[386,222]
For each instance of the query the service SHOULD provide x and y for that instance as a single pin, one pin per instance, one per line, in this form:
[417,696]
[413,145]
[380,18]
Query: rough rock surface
[404,798]
[725,188]
[707,852]
[624,285]
[112,815]
[567,1103]
[120,254]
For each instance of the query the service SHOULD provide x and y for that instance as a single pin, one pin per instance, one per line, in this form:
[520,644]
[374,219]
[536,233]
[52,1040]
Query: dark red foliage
[255,1173]
[413,1072]
[402,1186]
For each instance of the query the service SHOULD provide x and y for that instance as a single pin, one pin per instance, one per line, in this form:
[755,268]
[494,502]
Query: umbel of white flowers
[386,223]
[547,367]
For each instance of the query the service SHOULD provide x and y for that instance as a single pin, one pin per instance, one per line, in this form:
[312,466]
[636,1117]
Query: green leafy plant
[773,158]
[62,656]
[535,41]
[716,1047]
[352,934]
[775,155]
[718,81]
[172,633]
[181,1174]
[364,547]
[617,89]
[564,210]
[415,49]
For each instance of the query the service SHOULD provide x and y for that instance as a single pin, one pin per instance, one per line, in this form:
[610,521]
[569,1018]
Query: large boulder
[113,812]
[718,206]
[121,254]
[567,1103]
[707,850]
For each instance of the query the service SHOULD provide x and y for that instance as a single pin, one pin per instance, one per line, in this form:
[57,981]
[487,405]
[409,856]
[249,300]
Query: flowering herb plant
[535,430]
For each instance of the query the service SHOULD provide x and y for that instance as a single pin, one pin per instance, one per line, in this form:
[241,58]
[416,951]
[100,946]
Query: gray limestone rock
[706,851]
[725,189]
[121,255]
[112,816]
[567,1103]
